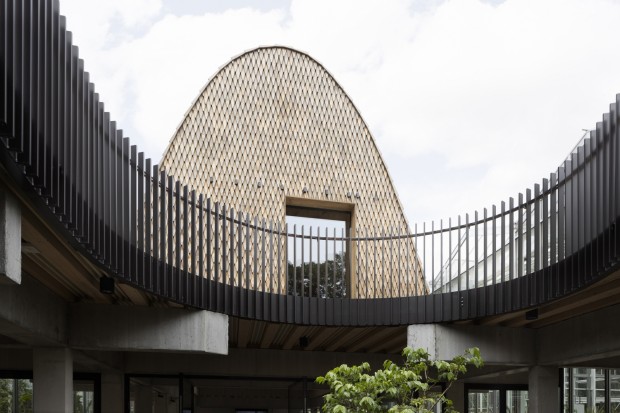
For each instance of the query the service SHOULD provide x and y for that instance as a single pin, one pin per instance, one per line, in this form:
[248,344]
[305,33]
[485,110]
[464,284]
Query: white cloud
[469,102]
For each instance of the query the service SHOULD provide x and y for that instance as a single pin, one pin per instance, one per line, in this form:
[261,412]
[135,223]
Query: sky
[470,101]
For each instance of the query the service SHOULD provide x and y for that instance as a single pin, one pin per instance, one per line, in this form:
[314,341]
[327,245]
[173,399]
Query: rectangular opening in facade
[318,249]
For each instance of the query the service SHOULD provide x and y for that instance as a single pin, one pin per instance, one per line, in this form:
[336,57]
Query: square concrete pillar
[10,239]
[144,399]
[52,380]
[112,391]
[543,390]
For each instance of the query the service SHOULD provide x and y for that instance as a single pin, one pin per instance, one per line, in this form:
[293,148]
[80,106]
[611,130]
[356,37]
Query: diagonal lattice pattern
[273,125]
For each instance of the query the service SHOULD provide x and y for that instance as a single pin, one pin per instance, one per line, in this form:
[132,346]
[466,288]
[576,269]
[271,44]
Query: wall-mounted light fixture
[304,341]
[106,285]
[531,315]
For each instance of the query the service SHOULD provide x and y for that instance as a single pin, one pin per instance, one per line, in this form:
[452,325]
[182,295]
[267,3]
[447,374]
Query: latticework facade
[272,128]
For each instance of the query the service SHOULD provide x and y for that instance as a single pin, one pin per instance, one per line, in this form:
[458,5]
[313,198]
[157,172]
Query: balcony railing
[147,229]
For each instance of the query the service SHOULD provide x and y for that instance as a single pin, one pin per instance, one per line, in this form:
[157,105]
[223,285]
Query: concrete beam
[250,362]
[32,314]
[132,328]
[582,339]
[10,239]
[498,345]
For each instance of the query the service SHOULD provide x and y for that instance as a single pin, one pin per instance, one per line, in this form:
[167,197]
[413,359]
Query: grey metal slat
[537,241]
[163,222]
[449,259]
[562,212]
[194,280]
[310,276]
[5,93]
[224,262]
[185,293]
[209,249]
[216,257]
[294,259]
[502,243]
[616,172]
[458,252]
[240,286]
[81,154]
[133,222]
[485,252]
[155,267]
[175,241]
[255,265]
[169,275]
[521,211]
[39,96]
[476,250]
[128,188]
[467,285]
[17,144]
[263,268]
[528,232]
[202,303]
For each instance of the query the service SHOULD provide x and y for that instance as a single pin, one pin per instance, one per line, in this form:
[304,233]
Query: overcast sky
[470,101]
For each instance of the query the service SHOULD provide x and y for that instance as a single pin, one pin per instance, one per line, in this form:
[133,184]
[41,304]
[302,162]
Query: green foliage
[25,396]
[6,395]
[414,387]
[326,279]
[15,391]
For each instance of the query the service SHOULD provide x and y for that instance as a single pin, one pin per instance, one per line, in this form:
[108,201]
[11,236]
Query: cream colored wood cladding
[272,124]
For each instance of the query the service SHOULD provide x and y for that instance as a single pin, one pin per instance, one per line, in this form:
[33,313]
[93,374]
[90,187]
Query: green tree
[414,387]
[326,279]
[6,395]
[25,395]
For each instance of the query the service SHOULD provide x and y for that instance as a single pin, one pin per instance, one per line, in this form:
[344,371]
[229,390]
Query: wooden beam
[269,334]
[323,335]
[293,339]
[33,268]
[385,345]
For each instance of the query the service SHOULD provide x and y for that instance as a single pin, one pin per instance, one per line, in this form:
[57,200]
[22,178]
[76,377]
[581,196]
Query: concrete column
[161,403]
[112,391]
[53,380]
[543,391]
[144,399]
[10,239]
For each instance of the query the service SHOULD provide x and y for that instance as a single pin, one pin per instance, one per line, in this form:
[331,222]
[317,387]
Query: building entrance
[221,394]
[483,398]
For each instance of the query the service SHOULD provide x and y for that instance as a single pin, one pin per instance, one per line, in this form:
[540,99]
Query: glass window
[588,390]
[83,396]
[15,395]
[483,401]
[6,395]
[516,401]
[614,390]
